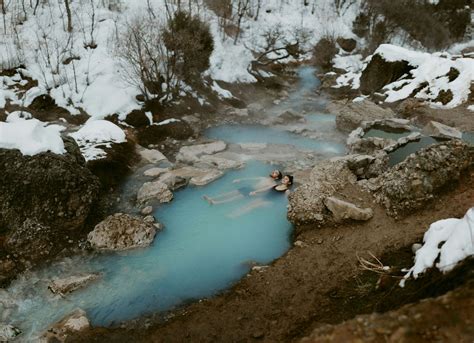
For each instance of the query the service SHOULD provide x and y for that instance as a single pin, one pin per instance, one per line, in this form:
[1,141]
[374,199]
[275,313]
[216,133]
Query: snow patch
[452,240]
[96,135]
[31,137]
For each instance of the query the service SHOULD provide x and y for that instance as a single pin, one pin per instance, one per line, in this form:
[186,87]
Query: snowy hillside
[81,70]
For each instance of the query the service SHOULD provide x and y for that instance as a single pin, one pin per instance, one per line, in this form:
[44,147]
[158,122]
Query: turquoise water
[468,137]
[263,134]
[403,152]
[203,249]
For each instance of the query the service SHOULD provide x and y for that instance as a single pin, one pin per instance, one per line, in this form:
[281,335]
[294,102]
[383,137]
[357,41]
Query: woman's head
[287,180]
[276,174]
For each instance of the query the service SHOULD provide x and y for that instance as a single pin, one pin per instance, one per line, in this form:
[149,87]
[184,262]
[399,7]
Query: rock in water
[155,190]
[71,283]
[343,210]
[121,232]
[75,322]
[435,129]
[190,154]
[8,332]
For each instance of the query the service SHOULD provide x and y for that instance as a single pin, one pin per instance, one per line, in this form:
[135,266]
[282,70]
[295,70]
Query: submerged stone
[71,283]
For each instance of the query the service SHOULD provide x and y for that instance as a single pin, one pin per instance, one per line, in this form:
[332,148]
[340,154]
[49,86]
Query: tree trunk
[69,16]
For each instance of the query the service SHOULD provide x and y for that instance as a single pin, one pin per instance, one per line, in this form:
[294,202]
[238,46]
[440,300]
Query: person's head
[287,180]
[276,174]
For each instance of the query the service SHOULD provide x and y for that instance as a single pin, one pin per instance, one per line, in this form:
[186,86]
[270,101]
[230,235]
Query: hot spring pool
[202,250]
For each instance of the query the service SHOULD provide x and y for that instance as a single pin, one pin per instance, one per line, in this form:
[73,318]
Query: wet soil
[319,281]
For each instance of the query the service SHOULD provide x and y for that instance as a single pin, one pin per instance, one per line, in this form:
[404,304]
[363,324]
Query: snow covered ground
[80,70]
[430,74]
[451,240]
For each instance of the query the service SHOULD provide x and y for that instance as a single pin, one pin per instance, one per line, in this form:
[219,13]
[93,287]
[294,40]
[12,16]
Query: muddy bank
[286,301]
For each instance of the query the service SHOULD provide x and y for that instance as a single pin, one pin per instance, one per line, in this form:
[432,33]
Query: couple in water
[274,184]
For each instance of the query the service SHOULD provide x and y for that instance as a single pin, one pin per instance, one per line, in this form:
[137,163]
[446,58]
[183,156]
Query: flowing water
[202,250]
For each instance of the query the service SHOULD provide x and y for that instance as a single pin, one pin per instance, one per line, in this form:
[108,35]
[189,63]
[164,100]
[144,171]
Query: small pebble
[149,219]
[147,210]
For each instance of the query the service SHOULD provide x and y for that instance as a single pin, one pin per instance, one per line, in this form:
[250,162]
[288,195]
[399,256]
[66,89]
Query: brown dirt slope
[300,290]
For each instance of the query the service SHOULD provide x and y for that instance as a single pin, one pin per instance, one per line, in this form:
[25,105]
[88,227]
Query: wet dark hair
[290,177]
[280,175]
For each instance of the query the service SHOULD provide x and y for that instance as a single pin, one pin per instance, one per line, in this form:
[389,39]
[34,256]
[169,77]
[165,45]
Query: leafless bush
[146,63]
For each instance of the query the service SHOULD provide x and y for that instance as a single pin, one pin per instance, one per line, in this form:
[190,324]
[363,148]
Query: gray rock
[8,332]
[149,219]
[71,283]
[155,190]
[147,210]
[75,322]
[121,232]
[191,154]
[350,115]
[155,172]
[152,155]
[288,117]
[307,201]
[438,130]
[411,184]
[222,163]
[344,210]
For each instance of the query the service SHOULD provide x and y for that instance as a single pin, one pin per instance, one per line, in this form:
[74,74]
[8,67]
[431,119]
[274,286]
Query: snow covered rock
[155,190]
[447,241]
[75,322]
[410,184]
[380,72]
[439,130]
[350,115]
[121,232]
[8,332]
[43,196]
[96,135]
[71,283]
[343,210]
[191,154]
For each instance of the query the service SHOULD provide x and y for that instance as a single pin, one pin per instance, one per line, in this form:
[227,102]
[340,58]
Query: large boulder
[409,185]
[438,130]
[350,115]
[347,44]
[42,197]
[137,118]
[307,201]
[380,72]
[121,232]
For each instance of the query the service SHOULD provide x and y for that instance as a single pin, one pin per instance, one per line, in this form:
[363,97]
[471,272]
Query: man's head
[276,174]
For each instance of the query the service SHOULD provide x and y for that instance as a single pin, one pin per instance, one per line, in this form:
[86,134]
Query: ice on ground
[96,135]
[17,116]
[450,240]
[31,137]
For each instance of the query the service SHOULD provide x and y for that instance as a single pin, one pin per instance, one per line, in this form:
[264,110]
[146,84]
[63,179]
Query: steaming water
[263,134]
[202,250]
